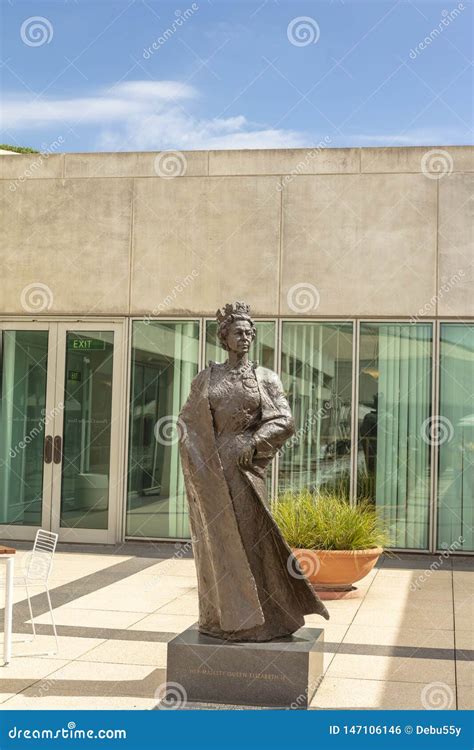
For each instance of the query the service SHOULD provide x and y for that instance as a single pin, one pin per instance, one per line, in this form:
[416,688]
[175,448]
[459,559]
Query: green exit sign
[86,345]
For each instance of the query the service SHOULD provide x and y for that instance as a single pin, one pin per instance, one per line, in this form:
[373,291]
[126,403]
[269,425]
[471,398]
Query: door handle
[57,453]
[48,449]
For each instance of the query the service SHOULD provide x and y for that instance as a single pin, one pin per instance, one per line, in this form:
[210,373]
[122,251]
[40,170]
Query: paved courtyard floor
[405,643]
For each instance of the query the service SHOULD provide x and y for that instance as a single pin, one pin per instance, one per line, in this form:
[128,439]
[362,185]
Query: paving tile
[465,639]
[400,596]
[392,668]
[465,698]
[29,668]
[165,623]
[423,617]
[346,693]
[85,678]
[43,645]
[179,567]
[464,615]
[465,673]
[91,618]
[182,605]
[399,636]
[129,652]
[29,700]
[159,581]
[128,598]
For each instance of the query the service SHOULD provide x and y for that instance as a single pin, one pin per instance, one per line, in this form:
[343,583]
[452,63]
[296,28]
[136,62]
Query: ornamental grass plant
[327,521]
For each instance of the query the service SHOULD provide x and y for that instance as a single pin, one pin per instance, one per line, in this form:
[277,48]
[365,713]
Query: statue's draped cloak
[229,601]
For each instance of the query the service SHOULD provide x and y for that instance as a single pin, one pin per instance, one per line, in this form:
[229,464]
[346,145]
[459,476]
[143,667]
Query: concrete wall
[335,232]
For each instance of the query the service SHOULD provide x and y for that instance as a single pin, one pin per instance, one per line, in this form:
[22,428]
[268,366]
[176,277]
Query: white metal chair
[36,570]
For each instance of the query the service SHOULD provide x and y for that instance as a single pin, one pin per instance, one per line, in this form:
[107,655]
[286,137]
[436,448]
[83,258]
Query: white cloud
[145,115]
[123,101]
[415,137]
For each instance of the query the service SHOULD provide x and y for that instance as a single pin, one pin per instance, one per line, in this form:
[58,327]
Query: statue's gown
[250,587]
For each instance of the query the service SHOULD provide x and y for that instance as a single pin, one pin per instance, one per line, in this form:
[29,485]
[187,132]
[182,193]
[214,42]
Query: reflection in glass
[87,429]
[456,437]
[23,366]
[165,357]
[261,351]
[394,409]
[316,366]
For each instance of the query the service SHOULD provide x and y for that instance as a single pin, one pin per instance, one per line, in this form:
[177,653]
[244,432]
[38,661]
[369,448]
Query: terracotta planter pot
[333,572]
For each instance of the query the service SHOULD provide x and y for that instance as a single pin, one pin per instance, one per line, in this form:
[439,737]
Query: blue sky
[146,75]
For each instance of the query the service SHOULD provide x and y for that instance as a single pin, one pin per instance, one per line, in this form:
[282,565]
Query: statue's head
[235,328]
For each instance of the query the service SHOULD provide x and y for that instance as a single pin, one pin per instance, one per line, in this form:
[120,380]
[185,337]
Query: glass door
[27,354]
[61,430]
[87,483]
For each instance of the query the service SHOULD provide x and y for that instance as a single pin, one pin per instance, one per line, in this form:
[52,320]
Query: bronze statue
[231,426]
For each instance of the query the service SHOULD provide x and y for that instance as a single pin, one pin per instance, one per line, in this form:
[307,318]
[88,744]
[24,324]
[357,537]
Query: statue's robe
[229,603]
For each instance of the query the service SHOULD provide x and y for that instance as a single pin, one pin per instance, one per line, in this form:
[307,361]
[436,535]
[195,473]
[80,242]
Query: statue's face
[239,336]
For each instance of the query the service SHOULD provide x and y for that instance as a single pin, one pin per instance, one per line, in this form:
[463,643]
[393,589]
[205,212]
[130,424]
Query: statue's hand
[246,457]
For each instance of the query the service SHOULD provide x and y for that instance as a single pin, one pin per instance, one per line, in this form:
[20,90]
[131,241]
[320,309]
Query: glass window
[455,437]
[262,349]
[394,427]
[23,366]
[316,367]
[165,358]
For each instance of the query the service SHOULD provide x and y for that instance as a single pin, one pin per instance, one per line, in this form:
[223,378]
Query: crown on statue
[232,308]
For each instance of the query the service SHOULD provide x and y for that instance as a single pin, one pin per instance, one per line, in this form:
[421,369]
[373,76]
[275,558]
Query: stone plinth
[282,673]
